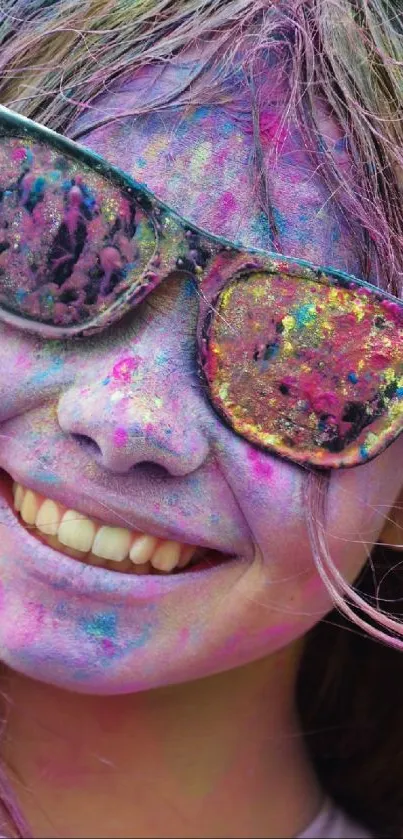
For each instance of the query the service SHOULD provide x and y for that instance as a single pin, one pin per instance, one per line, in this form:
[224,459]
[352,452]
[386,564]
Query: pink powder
[272,128]
[184,635]
[261,467]
[228,202]
[19,154]
[124,368]
[108,647]
[120,437]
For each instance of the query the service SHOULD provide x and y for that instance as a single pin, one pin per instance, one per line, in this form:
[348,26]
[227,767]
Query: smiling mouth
[96,543]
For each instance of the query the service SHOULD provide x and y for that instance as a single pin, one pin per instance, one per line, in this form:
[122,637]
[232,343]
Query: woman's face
[118,428]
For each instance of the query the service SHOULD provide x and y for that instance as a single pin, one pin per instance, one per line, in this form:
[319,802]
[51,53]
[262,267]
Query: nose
[134,429]
[140,405]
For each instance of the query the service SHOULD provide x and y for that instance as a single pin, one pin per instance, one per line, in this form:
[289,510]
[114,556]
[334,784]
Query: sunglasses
[302,361]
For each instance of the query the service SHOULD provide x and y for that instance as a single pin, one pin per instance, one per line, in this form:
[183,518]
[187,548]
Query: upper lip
[96,509]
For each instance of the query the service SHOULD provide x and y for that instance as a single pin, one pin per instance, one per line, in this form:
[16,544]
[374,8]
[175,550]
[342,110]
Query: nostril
[86,443]
[151,470]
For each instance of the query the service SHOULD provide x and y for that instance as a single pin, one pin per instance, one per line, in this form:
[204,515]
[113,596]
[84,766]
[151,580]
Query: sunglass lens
[307,369]
[71,241]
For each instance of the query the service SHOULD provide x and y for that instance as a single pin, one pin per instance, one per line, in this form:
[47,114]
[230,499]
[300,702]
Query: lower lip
[56,568]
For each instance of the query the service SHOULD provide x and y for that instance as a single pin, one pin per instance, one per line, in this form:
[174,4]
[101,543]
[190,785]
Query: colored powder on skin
[228,203]
[261,227]
[232,643]
[108,647]
[120,437]
[100,625]
[280,221]
[124,368]
[261,467]
[103,627]
[272,128]
[199,160]
[44,477]
[44,375]
[173,499]
[24,362]
[184,636]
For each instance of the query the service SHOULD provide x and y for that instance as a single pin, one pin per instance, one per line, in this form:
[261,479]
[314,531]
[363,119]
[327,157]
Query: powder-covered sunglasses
[303,361]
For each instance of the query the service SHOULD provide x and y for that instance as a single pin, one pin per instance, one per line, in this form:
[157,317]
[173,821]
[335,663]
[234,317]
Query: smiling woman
[201,322]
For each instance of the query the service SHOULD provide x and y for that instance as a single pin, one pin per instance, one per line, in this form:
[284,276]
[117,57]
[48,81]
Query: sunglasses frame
[161,216]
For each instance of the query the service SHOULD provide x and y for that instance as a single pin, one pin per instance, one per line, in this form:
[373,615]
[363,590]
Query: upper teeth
[79,533]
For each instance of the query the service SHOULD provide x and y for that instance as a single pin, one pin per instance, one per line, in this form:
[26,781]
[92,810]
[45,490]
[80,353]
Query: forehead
[200,160]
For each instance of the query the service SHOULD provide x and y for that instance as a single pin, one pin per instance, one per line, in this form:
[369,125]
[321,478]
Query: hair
[57,58]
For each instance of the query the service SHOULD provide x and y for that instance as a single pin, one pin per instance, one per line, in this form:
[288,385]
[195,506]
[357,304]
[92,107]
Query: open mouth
[96,543]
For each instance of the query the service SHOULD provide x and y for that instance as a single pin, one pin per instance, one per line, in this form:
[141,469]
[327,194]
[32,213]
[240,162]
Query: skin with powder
[180,687]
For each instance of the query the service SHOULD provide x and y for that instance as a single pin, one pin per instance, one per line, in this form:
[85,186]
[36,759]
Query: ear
[392,533]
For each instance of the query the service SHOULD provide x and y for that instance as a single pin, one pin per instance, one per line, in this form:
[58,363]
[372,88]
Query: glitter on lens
[72,218]
[321,389]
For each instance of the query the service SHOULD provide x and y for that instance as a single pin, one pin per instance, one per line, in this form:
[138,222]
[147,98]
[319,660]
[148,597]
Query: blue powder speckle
[261,228]
[62,609]
[20,295]
[44,478]
[280,221]
[101,625]
[162,358]
[227,128]
[172,499]
[202,113]
[189,288]
[108,652]
[135,429]
[51,371]
[303,229]
[304,314]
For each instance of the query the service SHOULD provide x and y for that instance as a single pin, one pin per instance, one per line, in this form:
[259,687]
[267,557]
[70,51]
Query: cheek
[359,500]
[271,496]
[17,364]
[30,371]
[269,492]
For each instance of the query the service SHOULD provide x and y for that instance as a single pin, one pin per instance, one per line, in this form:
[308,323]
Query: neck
[222,756]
